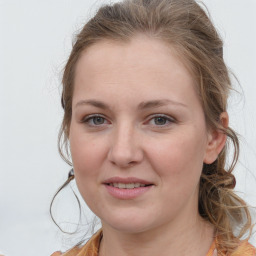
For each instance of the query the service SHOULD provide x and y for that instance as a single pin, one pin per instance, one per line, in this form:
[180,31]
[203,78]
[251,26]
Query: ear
[216,140]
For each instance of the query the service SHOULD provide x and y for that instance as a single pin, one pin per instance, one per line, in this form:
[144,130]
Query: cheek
[87,157]
[179,158]
[88,154]
[84,153]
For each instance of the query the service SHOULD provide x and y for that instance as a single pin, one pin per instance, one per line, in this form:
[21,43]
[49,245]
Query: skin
[129,141]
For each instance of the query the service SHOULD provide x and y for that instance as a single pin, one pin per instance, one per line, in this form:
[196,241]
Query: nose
[125,147]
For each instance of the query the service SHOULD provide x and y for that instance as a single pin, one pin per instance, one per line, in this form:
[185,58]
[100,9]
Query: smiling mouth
[127,191]
[128,185]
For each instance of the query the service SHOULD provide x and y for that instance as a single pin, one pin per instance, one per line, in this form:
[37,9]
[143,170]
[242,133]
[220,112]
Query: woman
[145,97]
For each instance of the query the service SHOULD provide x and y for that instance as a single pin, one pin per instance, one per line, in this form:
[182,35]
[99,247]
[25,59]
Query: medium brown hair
[185,26]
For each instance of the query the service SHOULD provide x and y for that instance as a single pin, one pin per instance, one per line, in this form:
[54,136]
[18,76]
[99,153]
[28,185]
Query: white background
[35,40]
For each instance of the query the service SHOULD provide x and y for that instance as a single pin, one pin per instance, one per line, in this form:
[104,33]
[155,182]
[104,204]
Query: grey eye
[160,120]
[97,120]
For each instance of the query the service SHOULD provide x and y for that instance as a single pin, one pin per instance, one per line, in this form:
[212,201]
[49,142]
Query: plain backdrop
[35,40]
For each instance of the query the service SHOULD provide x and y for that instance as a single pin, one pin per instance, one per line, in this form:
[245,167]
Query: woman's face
[138,136]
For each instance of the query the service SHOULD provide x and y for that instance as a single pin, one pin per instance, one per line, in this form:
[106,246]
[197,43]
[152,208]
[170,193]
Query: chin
[129,223]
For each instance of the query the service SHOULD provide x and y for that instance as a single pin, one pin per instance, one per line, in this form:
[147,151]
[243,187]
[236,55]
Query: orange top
[92,246]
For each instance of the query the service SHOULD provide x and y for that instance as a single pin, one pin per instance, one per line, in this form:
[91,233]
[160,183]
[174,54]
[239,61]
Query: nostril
[131,163]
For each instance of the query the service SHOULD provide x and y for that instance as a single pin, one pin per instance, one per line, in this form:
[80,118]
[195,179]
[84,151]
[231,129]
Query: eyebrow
[95,103]
[143,105]
[158,103]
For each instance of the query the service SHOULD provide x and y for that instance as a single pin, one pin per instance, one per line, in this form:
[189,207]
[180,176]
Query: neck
[194,239]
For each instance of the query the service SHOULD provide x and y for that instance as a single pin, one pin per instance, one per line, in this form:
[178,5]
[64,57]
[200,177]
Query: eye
[161,120]
[94,120]
[97,120]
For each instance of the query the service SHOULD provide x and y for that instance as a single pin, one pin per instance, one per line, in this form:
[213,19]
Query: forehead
[144,66]
[140,51]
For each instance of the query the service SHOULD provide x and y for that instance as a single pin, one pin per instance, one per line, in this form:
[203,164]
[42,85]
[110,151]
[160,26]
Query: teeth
[128,186]
[121,185]
[131,185]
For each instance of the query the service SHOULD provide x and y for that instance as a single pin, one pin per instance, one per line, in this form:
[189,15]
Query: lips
[127,188]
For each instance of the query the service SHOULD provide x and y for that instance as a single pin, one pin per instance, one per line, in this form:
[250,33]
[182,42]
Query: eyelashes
[95,120]
[161,120]
[156,120]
